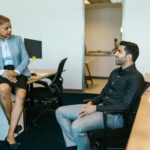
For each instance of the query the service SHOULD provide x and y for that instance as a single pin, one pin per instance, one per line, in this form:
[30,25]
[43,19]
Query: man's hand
[87,109]
[10,75]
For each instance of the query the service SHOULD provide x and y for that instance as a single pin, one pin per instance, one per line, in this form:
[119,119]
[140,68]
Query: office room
[103,23]
[60,25]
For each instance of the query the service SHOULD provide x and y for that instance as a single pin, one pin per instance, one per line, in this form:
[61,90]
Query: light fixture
[87,2]
[116,1]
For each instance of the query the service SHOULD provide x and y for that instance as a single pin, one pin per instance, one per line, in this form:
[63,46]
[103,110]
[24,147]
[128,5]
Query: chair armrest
[43,83]
[115,112]
[86,101]
[51,77]
[105,113]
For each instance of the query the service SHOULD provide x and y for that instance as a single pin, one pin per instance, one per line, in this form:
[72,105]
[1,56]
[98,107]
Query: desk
[88,60]
[41,73]
[140,135]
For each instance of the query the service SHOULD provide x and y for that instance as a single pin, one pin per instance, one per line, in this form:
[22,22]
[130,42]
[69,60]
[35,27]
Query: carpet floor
[47,135]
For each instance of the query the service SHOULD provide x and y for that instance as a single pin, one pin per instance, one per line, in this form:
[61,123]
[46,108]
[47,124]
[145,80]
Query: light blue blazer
[19,54]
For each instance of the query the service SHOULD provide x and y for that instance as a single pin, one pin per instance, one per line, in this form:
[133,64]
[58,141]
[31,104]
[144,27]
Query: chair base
[48,109]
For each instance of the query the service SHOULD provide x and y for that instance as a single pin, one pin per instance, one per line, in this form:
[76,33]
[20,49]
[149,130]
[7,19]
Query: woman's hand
[10,75]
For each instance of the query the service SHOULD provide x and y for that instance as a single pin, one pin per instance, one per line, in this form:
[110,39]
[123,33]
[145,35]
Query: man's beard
[119,62]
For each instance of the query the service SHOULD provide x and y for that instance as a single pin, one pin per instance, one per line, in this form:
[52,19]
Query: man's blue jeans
[75,128]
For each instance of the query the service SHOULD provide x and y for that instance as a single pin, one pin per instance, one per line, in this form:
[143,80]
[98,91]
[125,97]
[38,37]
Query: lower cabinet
[101,66]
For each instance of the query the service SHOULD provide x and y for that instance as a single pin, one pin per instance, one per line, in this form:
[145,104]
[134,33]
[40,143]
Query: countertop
[99,53]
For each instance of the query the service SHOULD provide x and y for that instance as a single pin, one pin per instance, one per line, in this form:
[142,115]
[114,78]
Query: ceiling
[99,1]
[103,4]
[104,1]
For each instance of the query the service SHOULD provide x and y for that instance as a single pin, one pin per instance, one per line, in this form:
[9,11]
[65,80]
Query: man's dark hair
[131,48]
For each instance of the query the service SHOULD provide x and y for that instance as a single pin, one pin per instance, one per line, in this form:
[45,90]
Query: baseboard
[73,91]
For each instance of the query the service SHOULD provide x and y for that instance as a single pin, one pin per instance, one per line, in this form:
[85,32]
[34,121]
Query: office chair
[49,94]
[115,139]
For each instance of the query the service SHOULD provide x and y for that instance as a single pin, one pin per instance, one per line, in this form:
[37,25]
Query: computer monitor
[34,48]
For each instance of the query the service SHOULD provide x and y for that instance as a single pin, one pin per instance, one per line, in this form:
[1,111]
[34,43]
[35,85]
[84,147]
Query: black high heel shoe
[15,146]
[18,129]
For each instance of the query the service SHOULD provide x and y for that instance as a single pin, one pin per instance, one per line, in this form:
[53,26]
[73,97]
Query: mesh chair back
[129,119]
[58,77]
[116,138]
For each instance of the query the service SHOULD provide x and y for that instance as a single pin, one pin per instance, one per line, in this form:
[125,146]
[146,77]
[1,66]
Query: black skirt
[21,79]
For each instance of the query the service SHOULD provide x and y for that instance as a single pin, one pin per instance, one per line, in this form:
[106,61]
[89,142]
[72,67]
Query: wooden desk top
[140,134]
[41,73]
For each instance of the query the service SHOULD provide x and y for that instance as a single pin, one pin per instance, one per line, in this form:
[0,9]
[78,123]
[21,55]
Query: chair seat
[116,133]
[41,92]
[100,136]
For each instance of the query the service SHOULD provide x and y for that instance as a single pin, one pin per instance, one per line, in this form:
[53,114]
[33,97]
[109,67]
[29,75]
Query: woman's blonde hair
[4,19]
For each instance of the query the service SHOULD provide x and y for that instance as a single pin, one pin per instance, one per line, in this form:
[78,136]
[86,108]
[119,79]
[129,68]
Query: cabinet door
[102,66]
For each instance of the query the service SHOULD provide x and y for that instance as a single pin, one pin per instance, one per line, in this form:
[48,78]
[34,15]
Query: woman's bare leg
[16,113]
[5,100]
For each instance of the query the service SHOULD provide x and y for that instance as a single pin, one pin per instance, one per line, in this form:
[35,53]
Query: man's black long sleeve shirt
[122,88]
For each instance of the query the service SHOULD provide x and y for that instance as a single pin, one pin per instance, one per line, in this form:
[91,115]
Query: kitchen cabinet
[102,65]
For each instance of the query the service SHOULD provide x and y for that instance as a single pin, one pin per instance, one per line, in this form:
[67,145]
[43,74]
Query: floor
[97,87]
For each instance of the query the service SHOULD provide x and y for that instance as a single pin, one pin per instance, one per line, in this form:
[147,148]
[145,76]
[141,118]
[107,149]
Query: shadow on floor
[47,134]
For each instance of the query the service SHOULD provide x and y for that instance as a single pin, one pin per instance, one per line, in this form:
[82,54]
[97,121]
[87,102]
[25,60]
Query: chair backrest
[129,119]
[118,137]
[58,77]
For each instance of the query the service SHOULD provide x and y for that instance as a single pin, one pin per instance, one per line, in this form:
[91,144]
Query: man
[124,85]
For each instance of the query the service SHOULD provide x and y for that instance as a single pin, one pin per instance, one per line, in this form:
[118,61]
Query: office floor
[47,135]
[96,87]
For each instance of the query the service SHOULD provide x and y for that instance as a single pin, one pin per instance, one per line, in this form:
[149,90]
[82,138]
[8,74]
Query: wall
[136,28]
[102,26]
[101,66]
[60,26]
[3,125]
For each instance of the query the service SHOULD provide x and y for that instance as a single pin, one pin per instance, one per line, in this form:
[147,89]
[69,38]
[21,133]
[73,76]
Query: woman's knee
[20,97]
[5,90]
[21,94]
[20,100]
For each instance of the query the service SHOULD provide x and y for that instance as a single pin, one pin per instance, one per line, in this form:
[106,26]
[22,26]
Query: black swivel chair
[115,139]
[48,95]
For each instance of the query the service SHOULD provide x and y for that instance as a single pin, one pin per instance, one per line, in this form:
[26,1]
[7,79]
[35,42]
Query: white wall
[136,28]
[60,26]
[3,125]
[102,26]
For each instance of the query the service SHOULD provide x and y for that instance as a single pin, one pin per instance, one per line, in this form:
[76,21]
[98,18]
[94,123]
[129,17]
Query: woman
[14,71]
